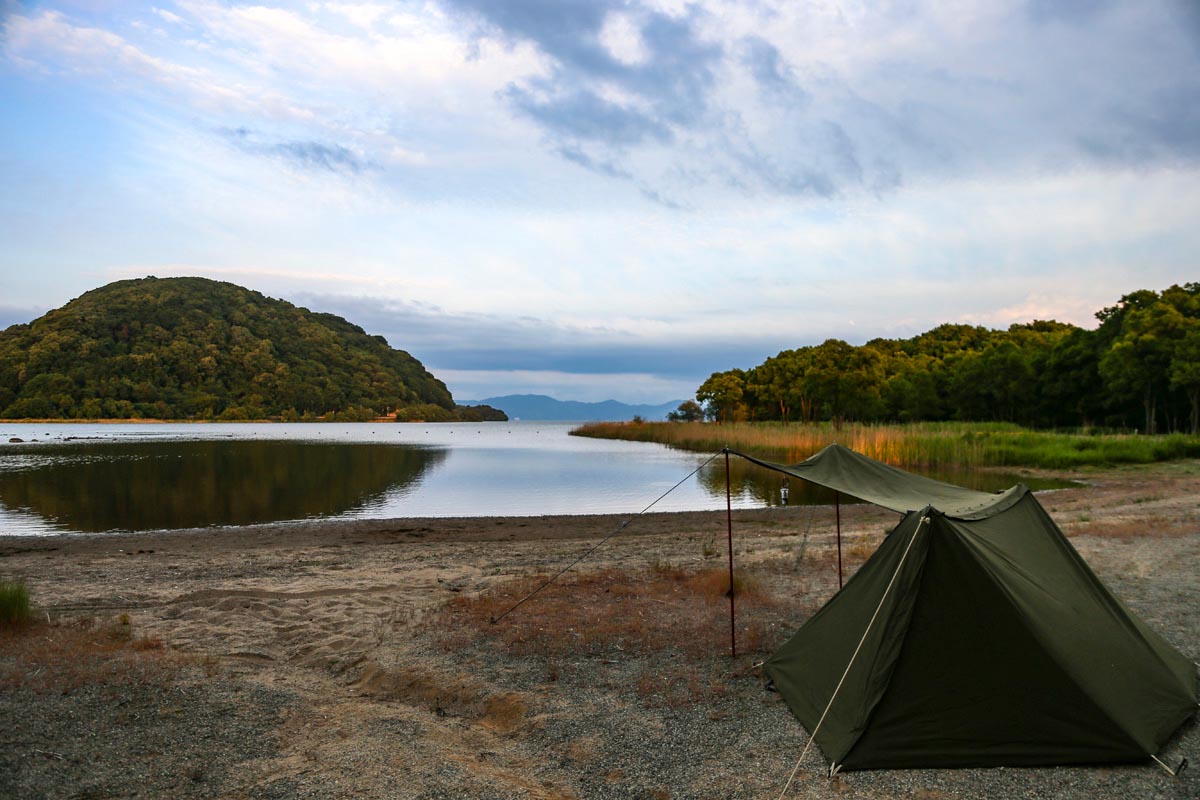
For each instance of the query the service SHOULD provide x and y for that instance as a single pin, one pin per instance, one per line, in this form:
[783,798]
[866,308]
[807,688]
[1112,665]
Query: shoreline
[491,528]
[332,661]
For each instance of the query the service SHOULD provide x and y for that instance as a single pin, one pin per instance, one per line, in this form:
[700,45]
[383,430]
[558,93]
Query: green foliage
[721,395]
[1185,370]
[1140,367]
[480,413]
[425,412]
[14,603]
[192,348]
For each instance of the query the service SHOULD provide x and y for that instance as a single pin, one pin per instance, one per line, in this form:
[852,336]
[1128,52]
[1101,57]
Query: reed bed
[926,444]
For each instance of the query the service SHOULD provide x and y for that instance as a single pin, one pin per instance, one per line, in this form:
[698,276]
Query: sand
[314,660]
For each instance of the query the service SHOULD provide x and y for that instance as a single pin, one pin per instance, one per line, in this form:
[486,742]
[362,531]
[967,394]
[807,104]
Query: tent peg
[1174,773]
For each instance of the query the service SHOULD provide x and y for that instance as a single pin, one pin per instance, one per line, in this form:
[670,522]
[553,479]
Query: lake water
[141,477]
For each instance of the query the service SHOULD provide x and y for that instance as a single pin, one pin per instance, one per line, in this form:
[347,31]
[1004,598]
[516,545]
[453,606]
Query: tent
[974,636]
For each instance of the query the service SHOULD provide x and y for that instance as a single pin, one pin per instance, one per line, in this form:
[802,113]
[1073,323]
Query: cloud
[1070,11]
[771,72]
[852,102]
[686,105]
[581,158]
[51,38]
[622,75]
[306,154]
[615,187]
[475,342]
[578,115]
[293,85]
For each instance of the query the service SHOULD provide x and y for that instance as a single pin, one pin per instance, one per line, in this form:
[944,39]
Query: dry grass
[504,712]
[1132,529]
[929,444]
[66,656]
[859,550]
[439,692]
[891,444]
[611,612]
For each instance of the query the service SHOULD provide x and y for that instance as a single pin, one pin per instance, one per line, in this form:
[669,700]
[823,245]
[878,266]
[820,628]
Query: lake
[87,478]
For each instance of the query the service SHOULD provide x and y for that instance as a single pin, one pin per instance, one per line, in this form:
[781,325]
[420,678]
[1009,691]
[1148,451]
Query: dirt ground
[350,659]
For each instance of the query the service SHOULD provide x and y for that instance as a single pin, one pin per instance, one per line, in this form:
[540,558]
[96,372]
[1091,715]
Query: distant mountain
[539,406]
[192,348]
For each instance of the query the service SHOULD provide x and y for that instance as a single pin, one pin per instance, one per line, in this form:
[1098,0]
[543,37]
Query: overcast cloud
[609,198]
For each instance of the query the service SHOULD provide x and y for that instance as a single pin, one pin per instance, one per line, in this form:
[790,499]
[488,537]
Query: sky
[599,199]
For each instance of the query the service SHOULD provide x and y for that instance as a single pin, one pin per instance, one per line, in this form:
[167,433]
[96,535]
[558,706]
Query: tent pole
[729,531]
[837,505]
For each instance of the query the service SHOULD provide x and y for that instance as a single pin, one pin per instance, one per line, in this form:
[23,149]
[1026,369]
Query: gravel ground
[182,738]
[317,662]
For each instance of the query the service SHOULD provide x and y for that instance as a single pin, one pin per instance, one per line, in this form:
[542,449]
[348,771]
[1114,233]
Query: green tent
[974,636]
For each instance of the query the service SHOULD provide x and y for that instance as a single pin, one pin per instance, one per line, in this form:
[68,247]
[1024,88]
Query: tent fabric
[840,468]
[995,645]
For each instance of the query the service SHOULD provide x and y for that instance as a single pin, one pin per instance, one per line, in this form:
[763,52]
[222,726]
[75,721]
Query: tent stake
[1174,773]
[837,505]
[729,530]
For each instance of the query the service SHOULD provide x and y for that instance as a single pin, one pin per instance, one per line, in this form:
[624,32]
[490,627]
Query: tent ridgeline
[843,470]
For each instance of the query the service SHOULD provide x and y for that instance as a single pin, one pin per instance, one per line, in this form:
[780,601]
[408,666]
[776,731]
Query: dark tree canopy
[1139,369]
[193,348]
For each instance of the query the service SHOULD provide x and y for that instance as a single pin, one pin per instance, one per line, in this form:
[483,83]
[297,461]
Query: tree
[1185,370]
[1069,383]
[722,393]
[845,381]
[688,411]
[911,391]
[1138,360]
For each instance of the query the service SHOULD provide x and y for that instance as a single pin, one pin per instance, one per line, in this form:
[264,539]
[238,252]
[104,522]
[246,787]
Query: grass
[14,604]
[1130,530]
[926,444]
[611,612]
[67,655]
[667,625]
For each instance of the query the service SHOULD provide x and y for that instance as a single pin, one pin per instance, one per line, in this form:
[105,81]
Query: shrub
[14,603]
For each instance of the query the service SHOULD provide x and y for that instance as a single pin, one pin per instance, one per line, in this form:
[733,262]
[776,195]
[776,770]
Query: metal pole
[837,504]
[729,530]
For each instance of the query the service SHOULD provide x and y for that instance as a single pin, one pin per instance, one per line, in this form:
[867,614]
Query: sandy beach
[355,659]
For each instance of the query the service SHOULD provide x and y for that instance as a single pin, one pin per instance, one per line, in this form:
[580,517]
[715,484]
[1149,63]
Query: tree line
[1139,368]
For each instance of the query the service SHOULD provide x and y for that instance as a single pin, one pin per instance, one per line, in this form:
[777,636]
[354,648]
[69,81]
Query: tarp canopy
[840,468]
[974,638]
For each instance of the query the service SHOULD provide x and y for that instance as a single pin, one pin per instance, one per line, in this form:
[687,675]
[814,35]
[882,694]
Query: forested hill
[192,348]
[1140,368]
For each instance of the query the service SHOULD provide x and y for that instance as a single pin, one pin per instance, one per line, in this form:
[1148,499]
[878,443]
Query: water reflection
[137,486]
[147,477]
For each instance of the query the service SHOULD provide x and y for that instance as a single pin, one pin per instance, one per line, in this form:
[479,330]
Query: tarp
[840,468]
[988,642]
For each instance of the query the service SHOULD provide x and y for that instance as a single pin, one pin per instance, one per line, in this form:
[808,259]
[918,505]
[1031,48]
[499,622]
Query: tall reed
[924,444]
